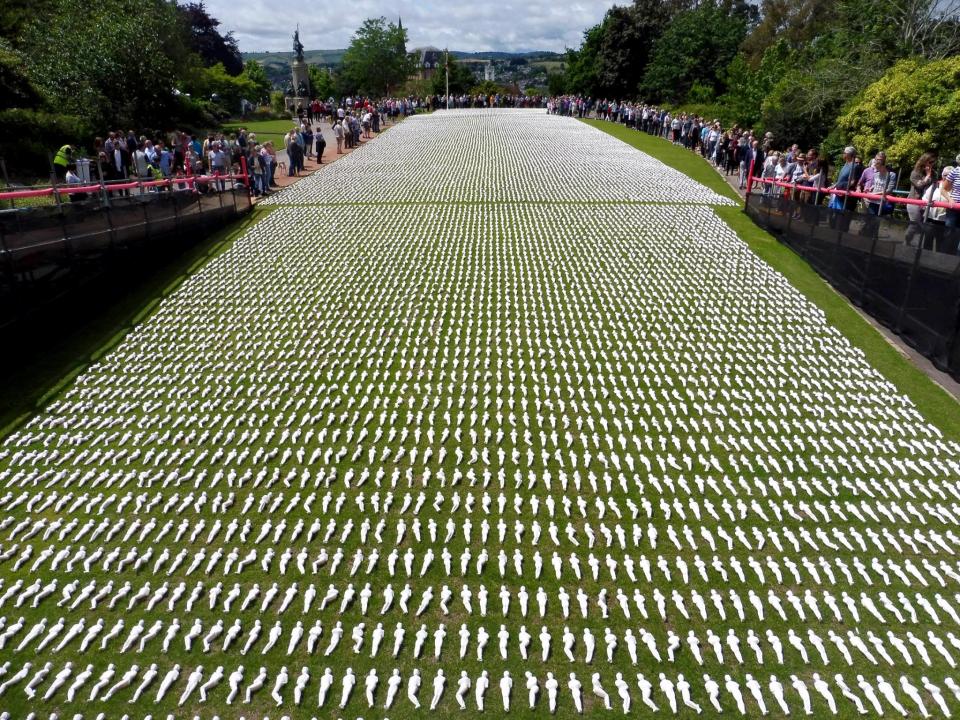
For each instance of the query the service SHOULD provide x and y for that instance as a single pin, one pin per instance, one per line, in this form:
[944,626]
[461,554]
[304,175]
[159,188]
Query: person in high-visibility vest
[61,160]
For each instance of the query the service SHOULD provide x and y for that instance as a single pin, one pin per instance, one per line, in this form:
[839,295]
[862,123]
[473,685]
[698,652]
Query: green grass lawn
[937,405]
[513,326]
[266,130]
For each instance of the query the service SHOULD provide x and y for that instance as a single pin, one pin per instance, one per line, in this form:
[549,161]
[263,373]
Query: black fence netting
[45,245]
[906,274]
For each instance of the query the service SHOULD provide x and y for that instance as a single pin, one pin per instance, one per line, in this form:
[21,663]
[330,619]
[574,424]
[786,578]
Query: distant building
[488,72]
[429,61]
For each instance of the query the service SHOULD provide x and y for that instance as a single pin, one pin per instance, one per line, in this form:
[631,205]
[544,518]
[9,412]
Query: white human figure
[78,682]
[776,689]
[17,677]
[667,688]
[59,680]
[849,694]
[480,688]
[335,634]
[646,692]
[236,677]
[258,682]
[349,680]
[282,679]
[125,681]
[712,688]
[413,687]
[506,687]
[798,685]
[733,688]
[273,637]
[303,679]
[215,677]
[683,687]
[937,696]
[148,677]
[103,681]
[439,682]
[575,686]
[888,692]
[552,686]
[533,688]
[168,680]
[326,680]
[914,695]
[756,692]
[193,682]
[376,639]
[393,686]
[463,687]
[597,688]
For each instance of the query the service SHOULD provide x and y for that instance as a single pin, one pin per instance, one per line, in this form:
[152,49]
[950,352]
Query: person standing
[321,145]
[61,160]
[882,182]
[921,178]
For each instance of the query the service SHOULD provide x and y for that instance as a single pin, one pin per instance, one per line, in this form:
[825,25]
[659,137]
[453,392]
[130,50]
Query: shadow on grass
[49,346]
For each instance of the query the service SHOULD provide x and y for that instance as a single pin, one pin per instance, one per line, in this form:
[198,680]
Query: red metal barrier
[870,197]
[189,181]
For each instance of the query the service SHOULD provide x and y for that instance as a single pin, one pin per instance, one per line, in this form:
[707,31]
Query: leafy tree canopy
[207,41]
[695,48]
[461,79]
[376,60]
[322,83]
[913,108]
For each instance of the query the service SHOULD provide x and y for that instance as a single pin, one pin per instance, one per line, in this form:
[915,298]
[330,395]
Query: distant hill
[334,57]
[520,68]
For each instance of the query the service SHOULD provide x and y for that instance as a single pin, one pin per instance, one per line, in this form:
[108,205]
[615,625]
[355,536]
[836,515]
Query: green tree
[217,85]
[376,60]
[557,83]
[488,87]
[793,23]
[207,41]
[322,84]
[581,63]
[260,85]
[913,108]
[746,87]
[627,45]
[714,30]
[110,73]
[461,79]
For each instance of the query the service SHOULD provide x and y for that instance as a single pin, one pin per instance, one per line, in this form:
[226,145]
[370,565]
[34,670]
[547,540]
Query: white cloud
[510,25]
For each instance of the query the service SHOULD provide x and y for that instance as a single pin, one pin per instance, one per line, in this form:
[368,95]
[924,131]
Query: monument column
[300,78]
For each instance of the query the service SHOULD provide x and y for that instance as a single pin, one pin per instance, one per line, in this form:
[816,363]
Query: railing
[48,245]
[904,272]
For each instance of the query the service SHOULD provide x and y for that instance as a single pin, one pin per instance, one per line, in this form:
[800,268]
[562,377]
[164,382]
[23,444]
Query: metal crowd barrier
[43,244]
[906,274]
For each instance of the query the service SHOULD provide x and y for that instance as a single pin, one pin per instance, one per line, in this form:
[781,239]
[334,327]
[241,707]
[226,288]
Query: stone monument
[298,92]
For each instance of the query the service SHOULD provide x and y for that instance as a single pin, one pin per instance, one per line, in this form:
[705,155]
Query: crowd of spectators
[775,167]
[121,158]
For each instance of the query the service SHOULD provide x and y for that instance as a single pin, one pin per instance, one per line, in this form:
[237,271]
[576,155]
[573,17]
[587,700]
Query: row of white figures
[220,636]
[918,541]
[416,563]
[426,467]
[813,603]
[525,506]
[553,161]
[86,685]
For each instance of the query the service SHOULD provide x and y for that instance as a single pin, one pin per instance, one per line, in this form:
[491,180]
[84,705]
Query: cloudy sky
[470,25]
